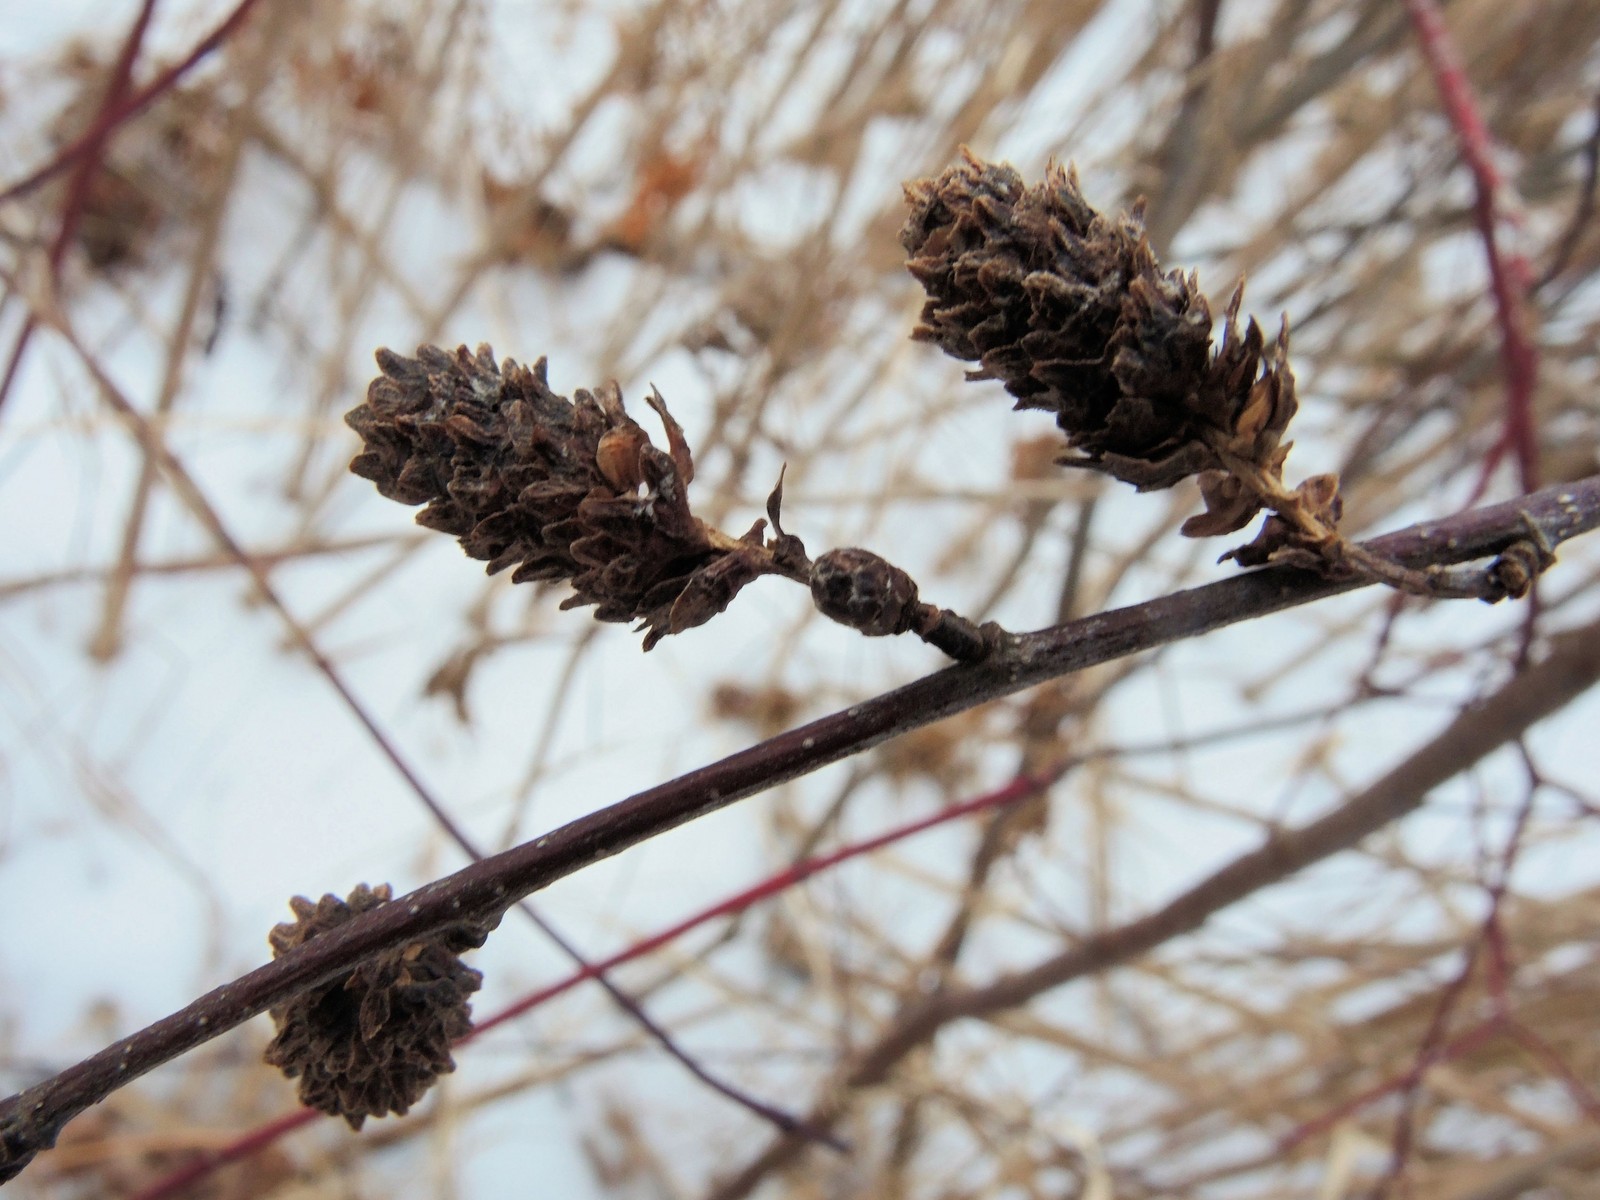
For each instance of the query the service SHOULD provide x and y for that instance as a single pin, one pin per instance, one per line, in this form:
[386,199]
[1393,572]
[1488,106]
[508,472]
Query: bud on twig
[857,588]
[865,591]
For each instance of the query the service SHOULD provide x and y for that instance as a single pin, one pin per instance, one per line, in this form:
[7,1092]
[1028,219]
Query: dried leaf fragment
[1316,503]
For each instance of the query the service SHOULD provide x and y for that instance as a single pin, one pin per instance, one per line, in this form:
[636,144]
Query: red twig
[1497,1024]
[131,106]
[1469,1039]
[1489,945]
[1018,789]
[1510,274]
[264,1135]
[241,1148]
[91,150]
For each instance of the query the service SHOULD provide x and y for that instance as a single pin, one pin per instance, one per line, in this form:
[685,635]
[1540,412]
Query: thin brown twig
[70,576]
[1583,211]
[107,639]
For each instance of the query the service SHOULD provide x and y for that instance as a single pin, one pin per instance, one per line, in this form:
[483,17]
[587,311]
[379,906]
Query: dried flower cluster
[373,1042]
[556,488]
[1070,309]
[574,489]
[1066,306]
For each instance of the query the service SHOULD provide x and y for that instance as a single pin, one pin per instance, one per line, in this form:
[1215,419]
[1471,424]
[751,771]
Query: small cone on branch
[555,488]
[865,591]
[372,1042]
[1071,311]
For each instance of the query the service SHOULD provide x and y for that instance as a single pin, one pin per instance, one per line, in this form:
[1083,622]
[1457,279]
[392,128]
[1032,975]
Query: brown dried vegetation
[1413,1017]
[557,489]
[373,1042]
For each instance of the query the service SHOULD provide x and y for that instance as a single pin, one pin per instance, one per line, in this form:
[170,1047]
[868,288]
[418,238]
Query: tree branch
[1572,667]
[31,1120]
[159,455]
[1020,788]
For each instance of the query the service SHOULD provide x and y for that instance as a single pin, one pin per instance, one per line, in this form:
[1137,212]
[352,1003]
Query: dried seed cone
[1071,311]
[551,487]
[373,1042]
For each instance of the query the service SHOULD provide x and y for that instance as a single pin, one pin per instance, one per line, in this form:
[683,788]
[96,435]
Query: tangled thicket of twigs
[709,197]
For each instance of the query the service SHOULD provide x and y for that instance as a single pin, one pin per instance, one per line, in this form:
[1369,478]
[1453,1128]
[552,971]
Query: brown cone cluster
[373,1042]
[554,488]
[1071,311]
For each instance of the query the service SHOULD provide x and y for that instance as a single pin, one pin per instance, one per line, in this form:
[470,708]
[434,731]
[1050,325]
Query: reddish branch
[1510,274]
[1490,947]
[88,159]
[1461,1044]
[248,1146]
[1437,1045]
[1497,1024]
[111,116]
[30,1121]
[264,1135]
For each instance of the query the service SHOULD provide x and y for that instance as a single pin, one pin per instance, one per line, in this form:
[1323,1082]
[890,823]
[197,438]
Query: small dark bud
[857,588]
[373,1042]
[1513,572]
